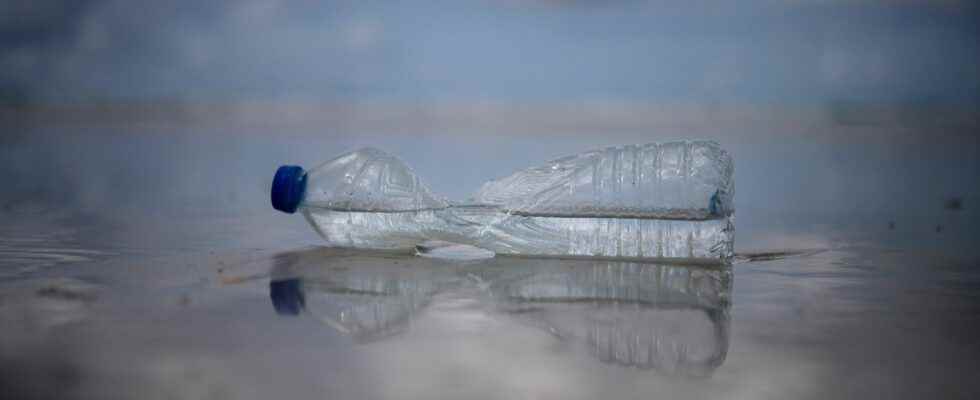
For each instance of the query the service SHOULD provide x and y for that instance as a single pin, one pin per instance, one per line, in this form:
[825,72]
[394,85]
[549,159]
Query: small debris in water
[774,255]
[68,291]
[954,204]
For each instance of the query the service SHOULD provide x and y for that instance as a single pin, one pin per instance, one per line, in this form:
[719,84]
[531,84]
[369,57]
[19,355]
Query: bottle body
[610,237]
[495,230]
[670,200]
[674,180]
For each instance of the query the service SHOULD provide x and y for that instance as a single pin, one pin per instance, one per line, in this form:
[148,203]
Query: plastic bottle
[666,200]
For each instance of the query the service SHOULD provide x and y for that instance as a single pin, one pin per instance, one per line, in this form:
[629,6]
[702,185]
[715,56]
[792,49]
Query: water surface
[242,307]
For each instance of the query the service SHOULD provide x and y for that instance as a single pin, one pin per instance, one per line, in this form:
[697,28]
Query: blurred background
[856,110]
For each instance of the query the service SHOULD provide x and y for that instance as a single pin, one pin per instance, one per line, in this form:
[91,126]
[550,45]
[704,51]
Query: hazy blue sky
[745,51]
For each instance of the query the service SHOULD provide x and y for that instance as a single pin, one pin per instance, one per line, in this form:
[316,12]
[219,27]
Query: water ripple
[22,254]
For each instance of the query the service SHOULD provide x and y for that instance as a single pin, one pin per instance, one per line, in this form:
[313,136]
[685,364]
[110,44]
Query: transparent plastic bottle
[666,200]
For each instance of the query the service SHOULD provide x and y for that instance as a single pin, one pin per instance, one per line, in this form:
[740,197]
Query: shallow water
[218,308]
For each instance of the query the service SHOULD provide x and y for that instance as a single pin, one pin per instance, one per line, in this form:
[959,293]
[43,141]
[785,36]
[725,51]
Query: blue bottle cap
[288,188]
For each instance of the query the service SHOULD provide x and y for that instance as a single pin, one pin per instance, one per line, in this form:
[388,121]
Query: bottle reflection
[287,296]
[670,318]
[366,298]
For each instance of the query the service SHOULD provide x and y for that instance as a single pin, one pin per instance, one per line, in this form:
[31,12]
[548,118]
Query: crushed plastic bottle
[659,200]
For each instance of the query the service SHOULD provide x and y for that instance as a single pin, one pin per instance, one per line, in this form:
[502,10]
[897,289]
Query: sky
[770,51]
